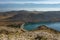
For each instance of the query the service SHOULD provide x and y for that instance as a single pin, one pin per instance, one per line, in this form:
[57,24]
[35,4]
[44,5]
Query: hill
[30,16]
[42,33]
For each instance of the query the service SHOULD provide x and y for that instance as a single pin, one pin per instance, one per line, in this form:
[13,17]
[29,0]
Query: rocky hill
[42,33]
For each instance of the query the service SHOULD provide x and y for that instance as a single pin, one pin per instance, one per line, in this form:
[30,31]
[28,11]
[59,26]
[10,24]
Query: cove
[33,26]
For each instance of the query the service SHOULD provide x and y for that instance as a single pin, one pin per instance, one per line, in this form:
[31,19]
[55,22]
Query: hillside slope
[42,33]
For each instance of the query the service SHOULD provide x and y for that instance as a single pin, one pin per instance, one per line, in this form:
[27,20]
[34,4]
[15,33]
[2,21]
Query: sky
[31,5]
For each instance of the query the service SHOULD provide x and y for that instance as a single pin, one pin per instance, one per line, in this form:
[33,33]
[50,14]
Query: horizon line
[29,10]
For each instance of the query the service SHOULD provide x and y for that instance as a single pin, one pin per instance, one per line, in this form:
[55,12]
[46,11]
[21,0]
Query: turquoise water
[33,26]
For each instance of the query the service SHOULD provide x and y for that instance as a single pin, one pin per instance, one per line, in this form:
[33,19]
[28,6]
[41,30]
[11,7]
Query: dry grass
[9,33]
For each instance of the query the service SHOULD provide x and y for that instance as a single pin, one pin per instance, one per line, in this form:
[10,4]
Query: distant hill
[30,16]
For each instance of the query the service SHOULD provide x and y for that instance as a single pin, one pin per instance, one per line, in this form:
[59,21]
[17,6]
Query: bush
[40,38]
[14,25]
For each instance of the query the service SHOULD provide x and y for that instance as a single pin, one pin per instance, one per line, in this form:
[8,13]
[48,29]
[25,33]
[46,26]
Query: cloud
[30,9]
[30,5]
[22,0]
[35,2]
[28,0]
